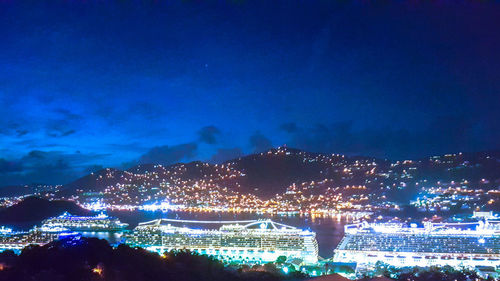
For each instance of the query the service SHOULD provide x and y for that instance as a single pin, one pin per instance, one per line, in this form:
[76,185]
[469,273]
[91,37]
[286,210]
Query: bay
[329,230]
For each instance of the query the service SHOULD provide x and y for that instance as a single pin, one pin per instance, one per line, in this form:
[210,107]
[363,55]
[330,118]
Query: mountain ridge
[269,173]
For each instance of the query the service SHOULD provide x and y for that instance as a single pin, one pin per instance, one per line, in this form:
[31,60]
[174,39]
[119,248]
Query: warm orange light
[97,270]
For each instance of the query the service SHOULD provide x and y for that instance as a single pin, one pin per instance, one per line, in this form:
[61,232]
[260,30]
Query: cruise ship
[471,245]
[254,241]
[17,240]
[99,222]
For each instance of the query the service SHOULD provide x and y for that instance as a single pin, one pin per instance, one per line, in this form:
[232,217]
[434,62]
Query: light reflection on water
[112,237]
[329,230]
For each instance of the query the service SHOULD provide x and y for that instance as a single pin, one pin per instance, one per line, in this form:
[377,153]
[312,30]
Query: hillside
[272,172]
[37,209]
[264,174]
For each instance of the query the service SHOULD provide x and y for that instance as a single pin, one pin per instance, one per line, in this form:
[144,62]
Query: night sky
[92,84]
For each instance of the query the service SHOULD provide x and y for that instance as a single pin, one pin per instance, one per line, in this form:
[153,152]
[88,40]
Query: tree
[281,260]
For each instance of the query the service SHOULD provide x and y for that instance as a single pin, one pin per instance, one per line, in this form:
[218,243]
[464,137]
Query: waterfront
[329,230]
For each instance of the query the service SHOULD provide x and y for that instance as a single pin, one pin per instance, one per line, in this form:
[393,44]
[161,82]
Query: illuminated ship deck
[16,241]
[453,244]
[100,222]
[251,242]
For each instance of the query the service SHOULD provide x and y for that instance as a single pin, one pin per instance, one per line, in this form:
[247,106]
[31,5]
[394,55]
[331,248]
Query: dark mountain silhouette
[37,209]
[271,172]
[96,180]
[263,174]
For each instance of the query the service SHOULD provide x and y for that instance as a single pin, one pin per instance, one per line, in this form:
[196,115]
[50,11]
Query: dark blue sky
[85,84]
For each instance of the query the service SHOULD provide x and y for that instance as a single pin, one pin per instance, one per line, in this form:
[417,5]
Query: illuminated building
[100,222]
[458,245]
[254,242]
[485,215]
[5,230]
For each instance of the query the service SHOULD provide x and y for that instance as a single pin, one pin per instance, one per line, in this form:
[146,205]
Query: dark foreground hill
[94,259]
[79,259]
[36,209]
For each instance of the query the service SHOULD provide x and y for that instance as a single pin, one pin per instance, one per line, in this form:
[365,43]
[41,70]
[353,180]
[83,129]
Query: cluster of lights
[349,184]
[446,197]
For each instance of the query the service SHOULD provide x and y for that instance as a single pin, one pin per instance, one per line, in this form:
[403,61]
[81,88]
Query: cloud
[290,127]
[47,167]
[11,128]
[68,132]
[63,125]
[167,155]
[322,138]
[209,134]
[56,134]
[341,137]
[67,114]
[93,168]
[225,154]
[447,133]
[259,142]
[128,164]
[21,132]
[10,166]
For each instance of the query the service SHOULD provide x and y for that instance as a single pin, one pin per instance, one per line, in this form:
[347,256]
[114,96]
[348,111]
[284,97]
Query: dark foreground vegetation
[94,259]
[89,259]
[445,273]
